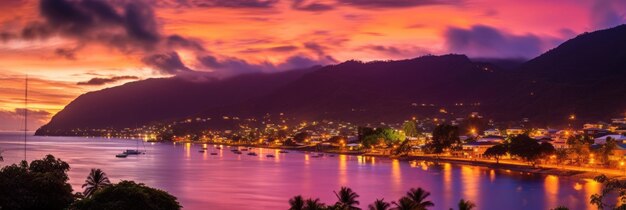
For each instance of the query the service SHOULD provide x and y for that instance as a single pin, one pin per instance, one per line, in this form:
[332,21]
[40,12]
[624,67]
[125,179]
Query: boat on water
[234,150]
[244,149]
[132,152]
[201,151]
[237,152]
[218,147]
[122,155]
[252,154]
[283,151]
[269,156]
[213,153]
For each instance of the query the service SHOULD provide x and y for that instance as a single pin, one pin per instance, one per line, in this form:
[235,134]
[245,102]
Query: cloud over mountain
[486,41]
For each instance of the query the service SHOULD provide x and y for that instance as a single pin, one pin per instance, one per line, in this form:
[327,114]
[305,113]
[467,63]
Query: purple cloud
[103,81]
[486,41]
[604,14]
[167,63]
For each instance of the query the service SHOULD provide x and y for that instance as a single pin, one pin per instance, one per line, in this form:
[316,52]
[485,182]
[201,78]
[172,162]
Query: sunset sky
[69,47]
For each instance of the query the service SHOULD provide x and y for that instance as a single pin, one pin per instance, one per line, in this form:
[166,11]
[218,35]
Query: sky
[70,47]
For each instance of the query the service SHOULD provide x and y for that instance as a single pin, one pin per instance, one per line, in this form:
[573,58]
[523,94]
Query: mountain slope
[583,76]
[381,91]
[141,102]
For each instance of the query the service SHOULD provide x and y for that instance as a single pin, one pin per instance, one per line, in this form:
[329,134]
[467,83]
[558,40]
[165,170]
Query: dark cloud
[417,25]
[485,41]
[232,3]
[286,48]
[229,66]
[14,119]
[384,49]
[182,42]
[125,24]
[315,47]
[283,49]
[103,81]
[299,62]
[381,4]
[68,53]
[604,14]
[6,36]
[166,63]
[314,6]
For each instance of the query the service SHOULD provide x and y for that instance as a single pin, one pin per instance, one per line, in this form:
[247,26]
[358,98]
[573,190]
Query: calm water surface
[230,181]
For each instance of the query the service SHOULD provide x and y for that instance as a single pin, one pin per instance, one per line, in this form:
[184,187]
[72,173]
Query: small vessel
[331,155]
[132,152]
[218,147]
[269,156]
[252,154]
[283,151]
[213,153]
[244,149]
[237,152]
[121,155]
[201,151]
[234,150]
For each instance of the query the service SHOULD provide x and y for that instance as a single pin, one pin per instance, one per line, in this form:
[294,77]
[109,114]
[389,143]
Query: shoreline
[561,171]
[538,170]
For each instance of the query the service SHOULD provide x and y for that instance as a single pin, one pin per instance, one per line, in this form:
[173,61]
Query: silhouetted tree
[526,148]
[409,128]
[128,195]
[379,204]
[466,205]
[314,204]
[419,196]
[42,184]
[96,180]
[610,186]
[405,204]
[296,203]
[496,151]
[347,199]
[444,136]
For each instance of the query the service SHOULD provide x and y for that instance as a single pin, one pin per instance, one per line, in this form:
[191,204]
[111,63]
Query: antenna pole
[25,114]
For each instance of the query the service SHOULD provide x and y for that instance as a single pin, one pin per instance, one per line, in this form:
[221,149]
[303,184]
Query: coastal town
[593,147]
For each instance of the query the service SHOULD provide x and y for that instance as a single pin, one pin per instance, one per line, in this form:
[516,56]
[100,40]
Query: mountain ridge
[581,76]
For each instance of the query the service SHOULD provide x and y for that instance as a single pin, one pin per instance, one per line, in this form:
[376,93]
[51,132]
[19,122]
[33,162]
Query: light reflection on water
[227,181]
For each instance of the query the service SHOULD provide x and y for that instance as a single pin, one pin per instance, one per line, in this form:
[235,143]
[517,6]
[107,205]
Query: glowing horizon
[100,44]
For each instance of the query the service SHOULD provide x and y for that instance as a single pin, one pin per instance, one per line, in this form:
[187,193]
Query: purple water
[231,181]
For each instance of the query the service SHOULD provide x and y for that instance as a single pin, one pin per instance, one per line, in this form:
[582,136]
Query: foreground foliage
[40,185]
[43,184]
[415,199]
[128,195]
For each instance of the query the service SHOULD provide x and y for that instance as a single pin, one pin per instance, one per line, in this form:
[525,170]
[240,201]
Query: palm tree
[347,198]
[466,205]
[314,204]
[296,203]
[418,196]
[405,203]
[95,181]
[379,204]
